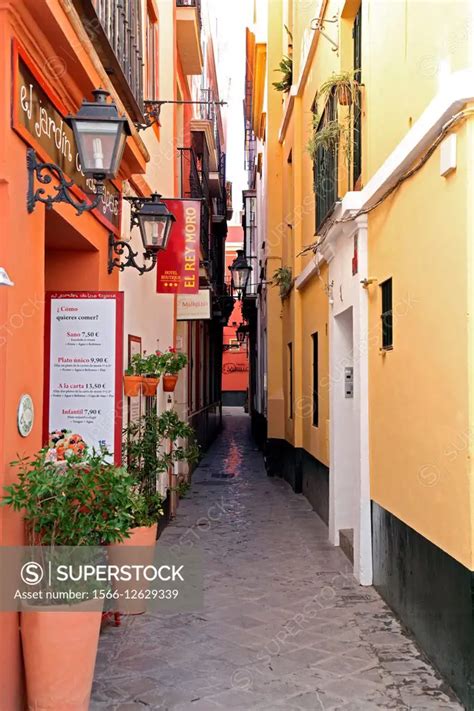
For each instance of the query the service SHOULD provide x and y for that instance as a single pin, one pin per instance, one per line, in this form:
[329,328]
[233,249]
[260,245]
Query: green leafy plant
[137,365]
[182,489]
[344,86]
[283,278]
[152,365]
[82,501]
[146,508]
[171,362]
[147,454]
[286,68]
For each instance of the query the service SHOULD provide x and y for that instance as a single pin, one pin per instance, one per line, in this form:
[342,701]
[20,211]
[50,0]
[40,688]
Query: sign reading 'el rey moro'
[178,265]
[38,117]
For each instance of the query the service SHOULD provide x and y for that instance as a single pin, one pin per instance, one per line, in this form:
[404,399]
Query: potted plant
[80,501]
[283,278]
[151,372]
[286,68]
[171,363]
[344,86]
[133,377]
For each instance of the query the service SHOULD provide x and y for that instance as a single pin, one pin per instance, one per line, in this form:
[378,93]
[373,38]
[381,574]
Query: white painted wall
[349,495]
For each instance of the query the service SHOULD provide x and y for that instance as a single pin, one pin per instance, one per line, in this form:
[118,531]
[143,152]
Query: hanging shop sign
[83,369]
[38,117]
[178,265]
[194,308]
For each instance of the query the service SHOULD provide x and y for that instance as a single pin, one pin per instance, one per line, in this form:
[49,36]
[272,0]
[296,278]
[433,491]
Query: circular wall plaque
[26,415]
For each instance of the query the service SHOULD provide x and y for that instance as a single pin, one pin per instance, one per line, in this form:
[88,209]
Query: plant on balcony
[286,68]
[171,362]
[344,86]
[283,278]
[325,137]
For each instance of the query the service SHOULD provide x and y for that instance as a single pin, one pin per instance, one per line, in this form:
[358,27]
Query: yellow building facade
[362,166]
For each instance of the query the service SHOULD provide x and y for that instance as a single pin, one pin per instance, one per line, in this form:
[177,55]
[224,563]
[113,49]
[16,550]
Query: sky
[228,20]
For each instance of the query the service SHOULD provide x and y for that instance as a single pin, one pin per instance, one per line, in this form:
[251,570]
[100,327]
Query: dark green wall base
[305,474]
[432,594]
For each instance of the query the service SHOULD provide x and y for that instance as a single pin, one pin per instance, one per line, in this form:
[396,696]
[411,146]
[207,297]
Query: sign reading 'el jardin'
[38,117]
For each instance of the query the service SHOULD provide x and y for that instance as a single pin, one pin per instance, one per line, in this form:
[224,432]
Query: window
[290,384]
[315,380]
[357,37]
[387,314]
[151,86]
[325,167]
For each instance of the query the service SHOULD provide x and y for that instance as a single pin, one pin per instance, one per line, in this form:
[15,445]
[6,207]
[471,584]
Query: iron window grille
[357,127]
[325,169]
[387,314]
[315,380]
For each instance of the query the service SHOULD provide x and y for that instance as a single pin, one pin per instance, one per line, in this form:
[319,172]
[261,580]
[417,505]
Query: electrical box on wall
[349,382]
[447,155]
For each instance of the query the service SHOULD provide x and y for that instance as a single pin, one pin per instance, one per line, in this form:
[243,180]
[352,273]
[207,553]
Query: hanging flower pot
[59,649]
[344,94]
[132,385]
[150,385]
[169,383]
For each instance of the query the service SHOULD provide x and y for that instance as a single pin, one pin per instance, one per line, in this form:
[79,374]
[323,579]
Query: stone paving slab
[285,625]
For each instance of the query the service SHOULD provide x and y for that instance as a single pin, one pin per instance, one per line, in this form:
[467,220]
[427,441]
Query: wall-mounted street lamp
[155,221]
[240,271]
[153,110]
[241,333]
[100,135]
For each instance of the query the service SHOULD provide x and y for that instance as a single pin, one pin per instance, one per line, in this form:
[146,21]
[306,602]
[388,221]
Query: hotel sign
[178,265]
[194,308]
[38,117]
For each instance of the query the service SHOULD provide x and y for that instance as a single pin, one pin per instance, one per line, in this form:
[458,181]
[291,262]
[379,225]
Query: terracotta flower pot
[150,386]
[120,554]
[344,95]
[59,650]
[132,385]
[169,383]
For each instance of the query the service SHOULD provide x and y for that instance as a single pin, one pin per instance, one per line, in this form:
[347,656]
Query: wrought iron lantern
[240,273]
[100,135]
[155,221]
[241,332]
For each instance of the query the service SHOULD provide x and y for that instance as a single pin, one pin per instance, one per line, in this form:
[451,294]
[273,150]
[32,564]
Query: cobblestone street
[284,626]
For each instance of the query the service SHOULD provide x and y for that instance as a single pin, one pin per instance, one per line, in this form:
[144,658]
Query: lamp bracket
[153,110]
[119,248]
[45,173]
[317,25]
[136,204]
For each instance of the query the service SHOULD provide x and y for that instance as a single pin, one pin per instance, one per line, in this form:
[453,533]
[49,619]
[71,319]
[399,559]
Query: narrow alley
[285,625]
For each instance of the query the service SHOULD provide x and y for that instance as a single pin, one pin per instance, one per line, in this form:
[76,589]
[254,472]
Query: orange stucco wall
[40,251]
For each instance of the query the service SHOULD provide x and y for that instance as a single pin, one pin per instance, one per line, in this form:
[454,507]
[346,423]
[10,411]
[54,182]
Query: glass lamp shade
[155,222]
[100,135]
[240,271]
[241,333]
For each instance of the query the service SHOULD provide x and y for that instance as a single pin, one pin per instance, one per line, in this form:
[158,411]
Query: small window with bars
[387,314]
[315,380]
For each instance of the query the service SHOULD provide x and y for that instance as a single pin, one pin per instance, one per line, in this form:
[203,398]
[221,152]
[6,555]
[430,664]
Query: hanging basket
[150,386]
[169,383]
[132,385]
[344,94]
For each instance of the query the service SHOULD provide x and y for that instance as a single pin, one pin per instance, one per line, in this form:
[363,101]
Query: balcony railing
[115,27]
